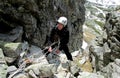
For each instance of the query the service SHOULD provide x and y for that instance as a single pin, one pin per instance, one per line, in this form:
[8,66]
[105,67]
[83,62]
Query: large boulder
[44,70]
[11,49]
[3,65]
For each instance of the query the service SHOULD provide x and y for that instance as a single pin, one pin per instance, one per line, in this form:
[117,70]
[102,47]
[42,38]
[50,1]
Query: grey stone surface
[112,70]
[3,65]
[11,49]
[13,35]
[107,49]
[45,70]
[89,75]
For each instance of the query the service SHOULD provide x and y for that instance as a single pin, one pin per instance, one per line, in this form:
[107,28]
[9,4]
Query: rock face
[112,29]
[112,70]
[3,66]
[37,17]
[107,49]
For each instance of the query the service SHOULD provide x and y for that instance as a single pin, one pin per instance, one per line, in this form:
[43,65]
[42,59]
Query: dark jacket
[62,35]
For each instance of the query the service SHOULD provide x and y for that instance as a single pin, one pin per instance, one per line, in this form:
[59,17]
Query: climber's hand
[50,49]
[58,51]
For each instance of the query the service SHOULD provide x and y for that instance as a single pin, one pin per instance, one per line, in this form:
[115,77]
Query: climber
[61,33]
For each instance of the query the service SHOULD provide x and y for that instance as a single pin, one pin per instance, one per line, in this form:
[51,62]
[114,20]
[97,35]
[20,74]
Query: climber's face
[60,26]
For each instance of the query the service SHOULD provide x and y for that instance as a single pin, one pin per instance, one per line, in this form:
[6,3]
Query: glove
[50,49]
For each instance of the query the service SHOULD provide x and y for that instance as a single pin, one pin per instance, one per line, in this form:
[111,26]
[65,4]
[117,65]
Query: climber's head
[62,22]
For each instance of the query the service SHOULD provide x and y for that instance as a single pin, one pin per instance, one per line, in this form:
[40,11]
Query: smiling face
[60,26]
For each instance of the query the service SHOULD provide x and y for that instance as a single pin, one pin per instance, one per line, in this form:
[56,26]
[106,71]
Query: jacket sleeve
[64,40]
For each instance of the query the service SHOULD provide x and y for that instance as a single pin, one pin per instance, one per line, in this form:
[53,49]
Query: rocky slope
[101,32]
[95,18]
[32,63]
[108,45]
